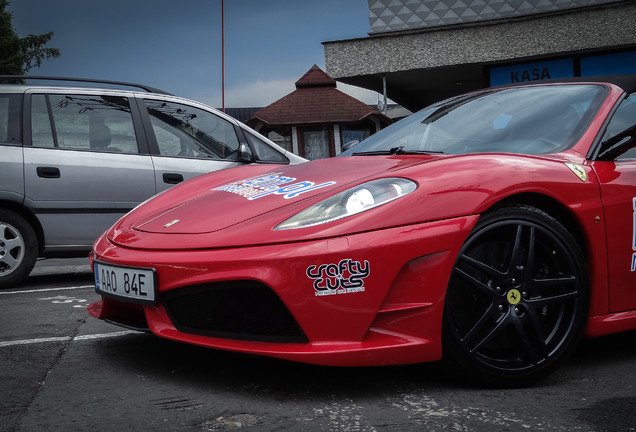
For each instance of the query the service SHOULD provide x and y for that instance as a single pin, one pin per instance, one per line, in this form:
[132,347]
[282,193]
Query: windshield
[527,120]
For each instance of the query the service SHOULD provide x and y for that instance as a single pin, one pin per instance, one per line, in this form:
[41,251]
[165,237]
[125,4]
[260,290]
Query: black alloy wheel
[517,299]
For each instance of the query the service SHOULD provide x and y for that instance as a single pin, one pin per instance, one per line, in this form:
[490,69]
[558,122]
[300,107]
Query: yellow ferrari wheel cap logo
[513,296]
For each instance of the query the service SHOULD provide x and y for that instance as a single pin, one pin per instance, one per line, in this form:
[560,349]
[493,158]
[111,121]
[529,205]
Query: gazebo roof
[316,100]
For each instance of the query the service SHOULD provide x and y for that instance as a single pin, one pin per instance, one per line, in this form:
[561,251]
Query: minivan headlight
[350,202]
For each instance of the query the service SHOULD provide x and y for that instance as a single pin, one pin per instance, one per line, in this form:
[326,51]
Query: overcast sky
[176,45]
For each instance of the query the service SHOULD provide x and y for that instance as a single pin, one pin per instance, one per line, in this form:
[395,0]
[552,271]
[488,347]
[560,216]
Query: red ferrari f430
[492,230]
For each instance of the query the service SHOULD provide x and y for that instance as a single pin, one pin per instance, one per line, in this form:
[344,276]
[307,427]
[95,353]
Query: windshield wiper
[397,151]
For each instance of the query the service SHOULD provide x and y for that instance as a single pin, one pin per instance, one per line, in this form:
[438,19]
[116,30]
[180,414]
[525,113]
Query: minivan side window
[10,118]
[83,122]
[186,131]
[4,118]
[264,152]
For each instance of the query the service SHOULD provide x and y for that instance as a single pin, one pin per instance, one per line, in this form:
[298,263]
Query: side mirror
[346,146]
[245,154]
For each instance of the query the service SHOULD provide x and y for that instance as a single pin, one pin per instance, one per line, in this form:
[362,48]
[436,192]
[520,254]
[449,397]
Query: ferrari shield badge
[578,170]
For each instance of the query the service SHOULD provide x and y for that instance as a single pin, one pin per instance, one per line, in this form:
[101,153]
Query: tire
[18,248]
[517,299]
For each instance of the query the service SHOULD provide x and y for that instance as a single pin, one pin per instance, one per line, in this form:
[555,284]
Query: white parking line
[68,338]
[107,335]
[32,341]
[47,289]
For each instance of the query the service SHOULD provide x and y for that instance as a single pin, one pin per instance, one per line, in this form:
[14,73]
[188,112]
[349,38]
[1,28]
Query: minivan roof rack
[83,80]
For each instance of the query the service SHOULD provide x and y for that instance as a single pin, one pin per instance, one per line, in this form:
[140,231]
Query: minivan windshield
[526,120]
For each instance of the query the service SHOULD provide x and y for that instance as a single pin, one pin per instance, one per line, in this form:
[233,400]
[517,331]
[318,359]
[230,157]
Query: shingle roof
[316,100]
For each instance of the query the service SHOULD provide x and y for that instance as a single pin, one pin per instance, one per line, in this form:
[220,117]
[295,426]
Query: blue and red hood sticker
[271,184]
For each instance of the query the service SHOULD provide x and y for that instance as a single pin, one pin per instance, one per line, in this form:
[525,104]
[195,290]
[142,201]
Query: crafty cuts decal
[343,278]
[271,184]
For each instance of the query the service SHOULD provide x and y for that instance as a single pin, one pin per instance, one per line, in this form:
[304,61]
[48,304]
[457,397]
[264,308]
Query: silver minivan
[75,159]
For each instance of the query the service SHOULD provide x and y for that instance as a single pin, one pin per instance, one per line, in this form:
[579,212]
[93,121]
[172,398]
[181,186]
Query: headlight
[352,201]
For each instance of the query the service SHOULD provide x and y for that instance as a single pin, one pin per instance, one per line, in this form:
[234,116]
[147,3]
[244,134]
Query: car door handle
[172,178]
[48,172]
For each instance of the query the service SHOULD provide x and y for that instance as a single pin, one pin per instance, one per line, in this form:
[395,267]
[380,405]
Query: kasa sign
[531,72]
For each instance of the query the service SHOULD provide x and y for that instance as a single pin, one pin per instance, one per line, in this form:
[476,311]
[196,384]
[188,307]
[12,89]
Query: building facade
[421,51]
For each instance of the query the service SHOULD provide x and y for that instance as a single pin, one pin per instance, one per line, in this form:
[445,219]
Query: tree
[19,55]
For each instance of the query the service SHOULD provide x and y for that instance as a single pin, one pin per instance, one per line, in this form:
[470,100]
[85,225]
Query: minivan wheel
[18,248]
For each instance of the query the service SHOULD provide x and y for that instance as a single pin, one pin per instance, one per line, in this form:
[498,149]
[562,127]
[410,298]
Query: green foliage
[19,55]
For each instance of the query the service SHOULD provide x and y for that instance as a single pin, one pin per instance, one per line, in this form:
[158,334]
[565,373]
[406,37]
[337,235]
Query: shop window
[354,134]
[316,143]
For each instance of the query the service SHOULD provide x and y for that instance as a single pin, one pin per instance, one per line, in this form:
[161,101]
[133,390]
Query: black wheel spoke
[529,332]
[556,299]
[490,335]
[521,252]
[476,283]
[482,267]
[485,321]
[545,284]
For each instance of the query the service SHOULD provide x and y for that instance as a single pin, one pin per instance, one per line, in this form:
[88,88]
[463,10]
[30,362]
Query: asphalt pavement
[62,370]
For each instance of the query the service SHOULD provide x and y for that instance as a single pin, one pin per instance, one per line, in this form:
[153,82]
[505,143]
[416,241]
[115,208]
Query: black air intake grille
[237,310]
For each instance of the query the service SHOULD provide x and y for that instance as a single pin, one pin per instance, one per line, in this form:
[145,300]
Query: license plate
[131,284]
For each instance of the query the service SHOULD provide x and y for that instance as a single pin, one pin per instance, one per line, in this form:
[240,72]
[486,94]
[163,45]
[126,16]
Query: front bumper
[372,298]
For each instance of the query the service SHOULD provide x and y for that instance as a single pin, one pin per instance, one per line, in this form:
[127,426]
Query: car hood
[217,206]
[242,206]
[221,201]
